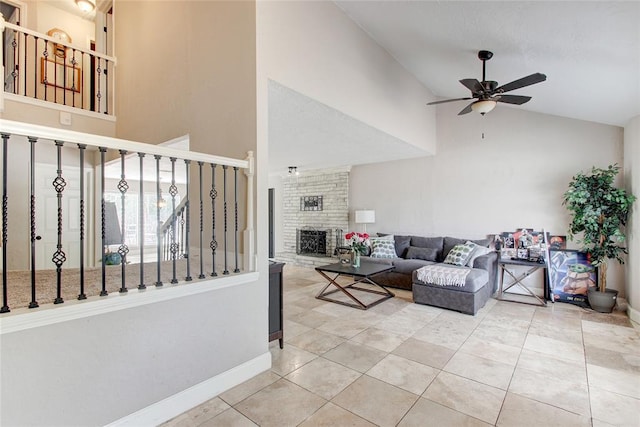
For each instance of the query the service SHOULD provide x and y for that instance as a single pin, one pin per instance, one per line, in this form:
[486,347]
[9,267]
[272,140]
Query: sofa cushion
[383,249]
[428,242]
[475,280]
[477,252]
[460,254]
[427,254]
[407,266]
[450,242]
[402,244]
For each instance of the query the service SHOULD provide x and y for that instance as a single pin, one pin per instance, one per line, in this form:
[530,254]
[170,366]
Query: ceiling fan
[487,92]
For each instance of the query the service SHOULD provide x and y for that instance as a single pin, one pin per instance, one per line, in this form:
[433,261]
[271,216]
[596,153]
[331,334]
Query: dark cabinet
[275,302]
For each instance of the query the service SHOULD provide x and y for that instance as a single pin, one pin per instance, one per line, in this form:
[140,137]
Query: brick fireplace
[302,198]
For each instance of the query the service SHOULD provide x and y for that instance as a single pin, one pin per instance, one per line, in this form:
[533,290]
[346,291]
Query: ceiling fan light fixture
[86,5]
[483,106]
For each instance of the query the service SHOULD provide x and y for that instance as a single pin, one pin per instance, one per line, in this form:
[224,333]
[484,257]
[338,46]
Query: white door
[47,215]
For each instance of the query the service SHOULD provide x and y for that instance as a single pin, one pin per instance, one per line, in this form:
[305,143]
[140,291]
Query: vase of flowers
[358,244]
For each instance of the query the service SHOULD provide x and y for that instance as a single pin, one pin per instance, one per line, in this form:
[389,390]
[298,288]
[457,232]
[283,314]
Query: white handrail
[8,25]
[64,135]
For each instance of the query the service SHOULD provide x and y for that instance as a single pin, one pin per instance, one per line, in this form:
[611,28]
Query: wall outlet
[65,118]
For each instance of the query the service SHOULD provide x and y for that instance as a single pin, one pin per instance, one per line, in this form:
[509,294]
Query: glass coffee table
[362,274]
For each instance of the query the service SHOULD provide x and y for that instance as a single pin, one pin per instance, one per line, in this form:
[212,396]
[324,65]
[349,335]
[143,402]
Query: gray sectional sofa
[414,252]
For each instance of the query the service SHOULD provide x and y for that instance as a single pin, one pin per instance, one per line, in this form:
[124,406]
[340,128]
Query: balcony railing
[39,67]
[215,196]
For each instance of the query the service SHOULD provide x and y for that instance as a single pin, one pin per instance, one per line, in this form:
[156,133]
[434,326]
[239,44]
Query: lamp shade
[365,217]
[483,107]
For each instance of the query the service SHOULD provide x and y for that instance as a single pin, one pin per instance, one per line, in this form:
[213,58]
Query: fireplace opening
[313,242]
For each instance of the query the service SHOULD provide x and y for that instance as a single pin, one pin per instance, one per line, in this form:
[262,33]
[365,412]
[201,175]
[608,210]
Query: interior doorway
[47,216]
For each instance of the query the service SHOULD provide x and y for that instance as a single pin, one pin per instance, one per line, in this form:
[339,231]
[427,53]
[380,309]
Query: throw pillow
[450,242]
[369,243]
[427,254]
[459,255]
[383,249]
[477,251]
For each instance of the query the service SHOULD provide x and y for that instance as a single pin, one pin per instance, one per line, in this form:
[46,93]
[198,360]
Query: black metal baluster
[14,72]
[123,250]
[5,218]
[64,80]
[59,257]
[158,231]
[103,292]
[25,39]
[201,275]
[173,191]
[98,93]
[106,86]
[187,251]
[82,80]
[35,61]
[73,78]
[141,211]
[45,54]
[224,196]
[32,153]
[235,208]
[82,295]
[214,244]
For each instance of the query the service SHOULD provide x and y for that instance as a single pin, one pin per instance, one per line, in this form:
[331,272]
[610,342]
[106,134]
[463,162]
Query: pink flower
[357,241]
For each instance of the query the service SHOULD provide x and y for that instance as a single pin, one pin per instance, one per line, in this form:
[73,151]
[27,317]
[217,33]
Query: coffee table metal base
[385,293]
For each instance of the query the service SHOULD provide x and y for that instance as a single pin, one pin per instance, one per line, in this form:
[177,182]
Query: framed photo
[507,239]
[570,275]
[311,203]
[557,242]
[56,73]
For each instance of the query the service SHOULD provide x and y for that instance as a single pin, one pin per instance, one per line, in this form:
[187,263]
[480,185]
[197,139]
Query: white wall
[95,370]
[514,177]
[632,184]
[81,31]
[313,48]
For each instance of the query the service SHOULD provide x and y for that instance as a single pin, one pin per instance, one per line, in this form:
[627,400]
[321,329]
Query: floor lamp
[365,217]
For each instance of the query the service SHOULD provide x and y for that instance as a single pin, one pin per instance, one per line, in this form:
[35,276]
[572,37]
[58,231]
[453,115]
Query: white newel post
[2,63]
[249,232]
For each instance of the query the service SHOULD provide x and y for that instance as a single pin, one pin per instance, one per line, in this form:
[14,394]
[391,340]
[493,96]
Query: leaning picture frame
[570,275]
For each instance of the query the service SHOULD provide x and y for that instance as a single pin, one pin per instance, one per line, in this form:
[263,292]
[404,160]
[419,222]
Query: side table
[509,266]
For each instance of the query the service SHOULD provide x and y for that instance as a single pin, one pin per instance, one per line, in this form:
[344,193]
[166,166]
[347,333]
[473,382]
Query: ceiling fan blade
[512,99]
[525,81]
[473,85]
[448,100]
[467,109]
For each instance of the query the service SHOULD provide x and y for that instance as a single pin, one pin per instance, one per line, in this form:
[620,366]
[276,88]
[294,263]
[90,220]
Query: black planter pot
[602,302]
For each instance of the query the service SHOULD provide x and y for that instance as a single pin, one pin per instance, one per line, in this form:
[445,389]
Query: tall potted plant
[599,211]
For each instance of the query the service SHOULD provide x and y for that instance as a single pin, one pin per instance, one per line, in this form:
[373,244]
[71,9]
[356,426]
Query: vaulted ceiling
[590,52]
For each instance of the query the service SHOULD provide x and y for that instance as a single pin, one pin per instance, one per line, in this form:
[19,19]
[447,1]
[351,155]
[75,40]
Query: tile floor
[404,364]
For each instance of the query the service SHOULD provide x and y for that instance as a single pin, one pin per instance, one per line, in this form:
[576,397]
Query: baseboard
[173,406]
[633,314]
